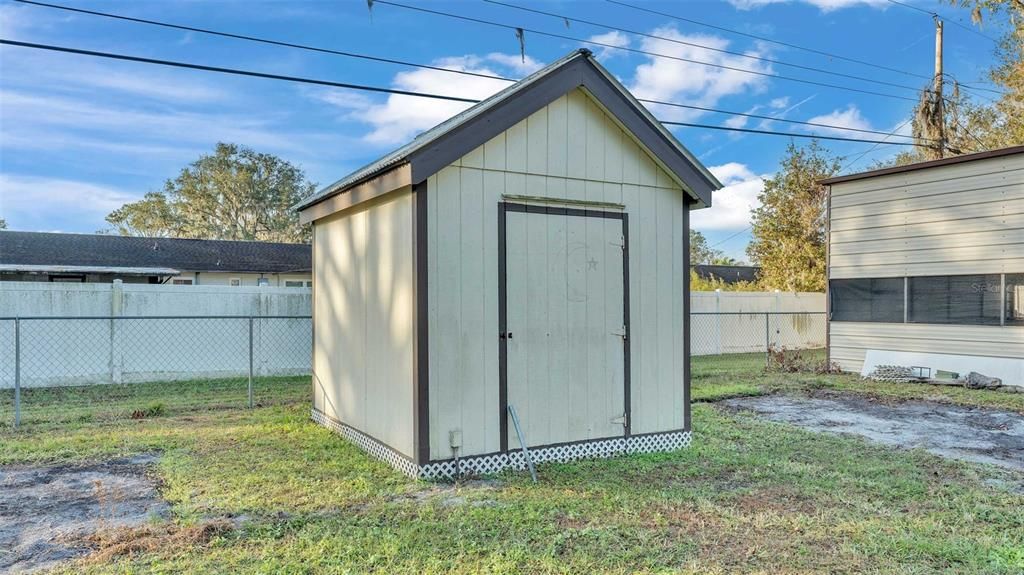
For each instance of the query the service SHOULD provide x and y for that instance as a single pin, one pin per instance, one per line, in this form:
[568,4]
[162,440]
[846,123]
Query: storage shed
[530,252]
[926,266]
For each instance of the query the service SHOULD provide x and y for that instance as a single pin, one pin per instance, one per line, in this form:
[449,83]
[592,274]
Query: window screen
[1014,299]
[971,300]
[870,300]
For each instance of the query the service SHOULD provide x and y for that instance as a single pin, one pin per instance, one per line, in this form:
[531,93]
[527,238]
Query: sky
[80,136]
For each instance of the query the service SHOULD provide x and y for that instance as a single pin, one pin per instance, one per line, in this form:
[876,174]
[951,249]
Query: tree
[3,224]
[700,251]
[789,227]
[233,194]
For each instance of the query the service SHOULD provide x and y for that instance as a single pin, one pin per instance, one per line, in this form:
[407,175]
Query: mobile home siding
[570,149]
[956,219]
[363,309]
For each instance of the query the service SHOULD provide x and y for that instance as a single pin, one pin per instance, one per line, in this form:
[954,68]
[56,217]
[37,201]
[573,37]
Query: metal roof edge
[988,154]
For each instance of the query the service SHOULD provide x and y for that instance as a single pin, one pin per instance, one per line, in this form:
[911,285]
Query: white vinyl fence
[125,333]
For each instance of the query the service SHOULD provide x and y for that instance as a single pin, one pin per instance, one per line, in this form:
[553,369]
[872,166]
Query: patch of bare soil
[50,514]
[975,434]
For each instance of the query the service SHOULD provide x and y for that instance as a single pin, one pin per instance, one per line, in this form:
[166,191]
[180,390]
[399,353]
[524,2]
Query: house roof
[728,274]
[21,251]
[924,165]
[441,145]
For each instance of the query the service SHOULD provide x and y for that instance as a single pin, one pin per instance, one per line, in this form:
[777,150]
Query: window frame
[1009,286]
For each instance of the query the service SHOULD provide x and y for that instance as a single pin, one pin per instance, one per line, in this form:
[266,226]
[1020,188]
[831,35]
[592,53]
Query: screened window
[1014,299]
[181,282]
[292,283]
[970,300]
[869,300]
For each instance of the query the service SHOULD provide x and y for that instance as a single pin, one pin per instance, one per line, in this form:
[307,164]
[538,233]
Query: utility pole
[939,102]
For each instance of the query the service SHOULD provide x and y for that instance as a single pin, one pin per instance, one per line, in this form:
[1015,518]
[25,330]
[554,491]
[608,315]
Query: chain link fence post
[250,361]
[17,372]
[767,343]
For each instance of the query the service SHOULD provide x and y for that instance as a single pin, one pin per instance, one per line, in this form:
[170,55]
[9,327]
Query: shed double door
[565,327]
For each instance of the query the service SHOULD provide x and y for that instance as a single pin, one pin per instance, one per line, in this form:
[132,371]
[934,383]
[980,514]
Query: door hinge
[621,332]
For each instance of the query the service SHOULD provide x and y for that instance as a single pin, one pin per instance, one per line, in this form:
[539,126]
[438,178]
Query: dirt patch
[49,513]
[974,434]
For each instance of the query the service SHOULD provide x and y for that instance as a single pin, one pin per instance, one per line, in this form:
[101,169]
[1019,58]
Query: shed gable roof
[443,144]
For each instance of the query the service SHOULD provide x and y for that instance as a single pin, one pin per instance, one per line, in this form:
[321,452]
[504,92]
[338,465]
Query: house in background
[529,253]
[727,274]
[926,266]
[52,257]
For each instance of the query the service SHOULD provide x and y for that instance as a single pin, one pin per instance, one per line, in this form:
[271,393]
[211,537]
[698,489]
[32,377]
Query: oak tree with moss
[235,193]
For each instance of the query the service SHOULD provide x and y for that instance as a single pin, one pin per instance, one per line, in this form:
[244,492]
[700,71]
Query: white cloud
[823,5]
[399,118]
[613,38]
[523,65]
[733,203]
[851,117]
[25,195]
[675,80]
[779,103]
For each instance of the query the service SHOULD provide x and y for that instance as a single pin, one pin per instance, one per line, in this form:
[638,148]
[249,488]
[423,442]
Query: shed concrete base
[513,459]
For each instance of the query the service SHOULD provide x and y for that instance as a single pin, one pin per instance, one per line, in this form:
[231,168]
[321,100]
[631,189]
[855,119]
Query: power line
[744,230]
[346,54]
[233,71]
[935,14]
[790,134]
[255,39]
[519,29]
[766,39]
[872,148]
[770,118]
[249,73]
[701,46]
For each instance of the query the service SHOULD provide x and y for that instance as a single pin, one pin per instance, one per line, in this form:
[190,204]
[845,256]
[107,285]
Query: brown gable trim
[580,72]
[375,187]
[924,165]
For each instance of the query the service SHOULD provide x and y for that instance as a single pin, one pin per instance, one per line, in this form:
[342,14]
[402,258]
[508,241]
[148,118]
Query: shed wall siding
[363,309]
[571,149]
[951,220]
[957,219]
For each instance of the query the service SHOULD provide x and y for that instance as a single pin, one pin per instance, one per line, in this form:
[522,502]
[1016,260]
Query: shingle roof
[701,184]
[49,249]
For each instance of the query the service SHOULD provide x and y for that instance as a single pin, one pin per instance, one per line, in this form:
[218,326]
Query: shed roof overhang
[431,151]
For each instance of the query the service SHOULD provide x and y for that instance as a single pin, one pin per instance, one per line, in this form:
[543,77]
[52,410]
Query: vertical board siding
[364,332]
[570,149]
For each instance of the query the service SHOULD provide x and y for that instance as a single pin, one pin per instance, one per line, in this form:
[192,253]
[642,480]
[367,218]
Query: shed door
[566,322]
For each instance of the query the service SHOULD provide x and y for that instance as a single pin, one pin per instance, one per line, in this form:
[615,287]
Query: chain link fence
[746,341]
[59,369]
[55,370]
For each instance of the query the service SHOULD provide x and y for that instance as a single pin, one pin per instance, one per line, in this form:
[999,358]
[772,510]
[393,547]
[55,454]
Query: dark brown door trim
[503,209]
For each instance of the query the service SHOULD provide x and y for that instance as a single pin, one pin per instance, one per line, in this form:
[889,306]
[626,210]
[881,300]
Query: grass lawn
[748,496]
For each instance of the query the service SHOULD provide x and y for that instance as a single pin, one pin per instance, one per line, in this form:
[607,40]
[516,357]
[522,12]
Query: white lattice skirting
[495,462]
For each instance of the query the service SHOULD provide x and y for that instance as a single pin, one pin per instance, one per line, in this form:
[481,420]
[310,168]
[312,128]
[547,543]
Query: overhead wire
[766,39]
[521,29]
[348,54]
[298,79]
[698,45]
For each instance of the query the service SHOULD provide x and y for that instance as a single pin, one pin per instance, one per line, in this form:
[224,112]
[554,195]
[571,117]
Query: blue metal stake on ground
[522,442]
